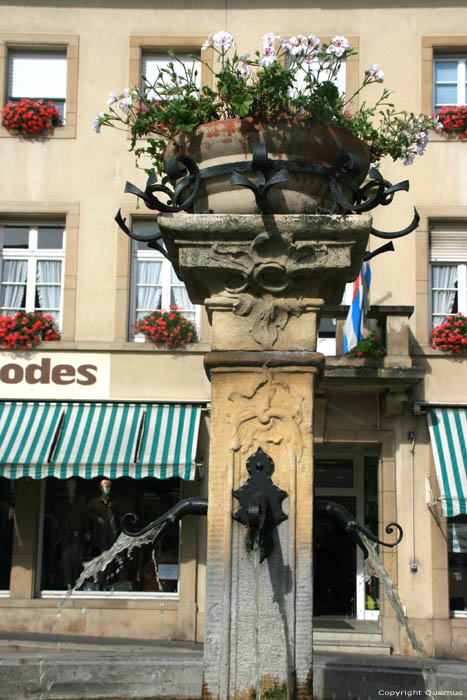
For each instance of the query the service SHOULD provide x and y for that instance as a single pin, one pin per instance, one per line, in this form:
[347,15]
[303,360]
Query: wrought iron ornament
[260,503]
[185,176]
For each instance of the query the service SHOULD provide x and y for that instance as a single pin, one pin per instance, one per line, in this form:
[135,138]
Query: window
[152,62]
[443,62]
[154,284]
[32,269]
[448,262]
[149,52]
[449,81]
[38,74]
[43,66]
[339,80]
[81,521]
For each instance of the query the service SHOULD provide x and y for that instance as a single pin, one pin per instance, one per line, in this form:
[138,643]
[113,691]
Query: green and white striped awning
[448,433]
[39,439]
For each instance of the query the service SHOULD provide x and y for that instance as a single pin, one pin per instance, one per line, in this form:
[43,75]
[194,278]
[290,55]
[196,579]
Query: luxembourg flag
[353,329]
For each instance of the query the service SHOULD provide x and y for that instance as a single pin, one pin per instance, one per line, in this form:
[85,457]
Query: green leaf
[242,103]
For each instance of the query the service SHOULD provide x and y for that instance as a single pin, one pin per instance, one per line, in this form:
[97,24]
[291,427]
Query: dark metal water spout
[353,528]
[260,503]
[260,511]
[187,506]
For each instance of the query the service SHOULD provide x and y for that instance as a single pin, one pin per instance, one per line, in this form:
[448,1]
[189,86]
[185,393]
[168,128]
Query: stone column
[263,280]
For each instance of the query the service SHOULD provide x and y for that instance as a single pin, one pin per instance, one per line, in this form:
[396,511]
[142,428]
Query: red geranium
[451,335]
[25,330]
[168,328]
[30,117]
[454,120]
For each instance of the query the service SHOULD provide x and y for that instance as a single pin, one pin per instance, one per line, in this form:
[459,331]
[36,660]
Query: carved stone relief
[272,266]
[268,414]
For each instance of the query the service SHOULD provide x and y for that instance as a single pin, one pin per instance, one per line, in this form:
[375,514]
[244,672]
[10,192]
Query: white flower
[96,125]
[409,158]
[223,39]
[268,59]
[298,44]
[207,44]
[125,103]
[313,41]
[268,39]
[242,65]
[438,127]
[285,45]
[112,98]
[375,72]
[338,46]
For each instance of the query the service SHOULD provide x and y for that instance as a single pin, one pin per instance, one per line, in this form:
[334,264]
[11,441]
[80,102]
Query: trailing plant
[454,120]
[167,328]
[368,347]
[289,79]
[30,117]
[451,335]
[26,329]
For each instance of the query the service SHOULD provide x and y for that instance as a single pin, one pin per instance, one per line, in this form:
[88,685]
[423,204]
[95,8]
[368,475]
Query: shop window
[457,554]
[448,263]
[32,269]
[81,519]
[154,284]
[39,75]
[7,504]
[152,62]
[449,81]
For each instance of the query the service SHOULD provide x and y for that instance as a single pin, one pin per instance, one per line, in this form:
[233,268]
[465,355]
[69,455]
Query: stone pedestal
[263,280]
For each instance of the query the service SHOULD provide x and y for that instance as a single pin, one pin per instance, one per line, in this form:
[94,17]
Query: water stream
[256,553]
[92,569]
[374,567]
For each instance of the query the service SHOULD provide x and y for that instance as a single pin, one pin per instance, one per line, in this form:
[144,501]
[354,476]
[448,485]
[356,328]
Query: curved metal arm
[342,516]
[188,506]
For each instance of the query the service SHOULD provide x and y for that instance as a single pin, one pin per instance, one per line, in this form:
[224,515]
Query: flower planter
[232,140]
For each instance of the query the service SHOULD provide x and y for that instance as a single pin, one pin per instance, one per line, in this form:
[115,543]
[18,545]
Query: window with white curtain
[154,284]
[449,81]
[152,62]
[448,267]
[38,74]
[32,268]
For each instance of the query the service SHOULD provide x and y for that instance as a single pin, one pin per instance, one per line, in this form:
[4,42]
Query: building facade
[101,405]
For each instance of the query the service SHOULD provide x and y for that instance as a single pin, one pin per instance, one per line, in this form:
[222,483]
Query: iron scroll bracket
[180,187]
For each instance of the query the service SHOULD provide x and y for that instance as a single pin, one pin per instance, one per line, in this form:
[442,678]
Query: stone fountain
[263,278]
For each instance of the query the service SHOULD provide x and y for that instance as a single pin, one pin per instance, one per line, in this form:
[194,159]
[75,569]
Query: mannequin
[103,515]
[72,531]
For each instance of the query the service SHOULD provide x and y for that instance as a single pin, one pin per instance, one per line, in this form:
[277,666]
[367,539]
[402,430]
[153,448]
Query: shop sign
[54,376]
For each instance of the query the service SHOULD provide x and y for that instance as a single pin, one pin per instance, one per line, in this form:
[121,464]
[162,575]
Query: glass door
[340,588]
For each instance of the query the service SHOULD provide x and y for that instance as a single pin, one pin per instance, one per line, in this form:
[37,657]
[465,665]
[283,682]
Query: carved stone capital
[289,256]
